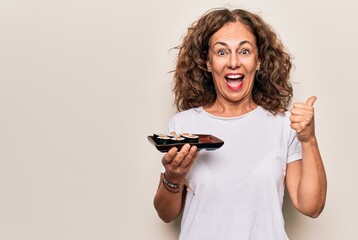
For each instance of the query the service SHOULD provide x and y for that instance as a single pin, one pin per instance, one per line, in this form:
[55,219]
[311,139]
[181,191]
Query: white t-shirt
[239,187]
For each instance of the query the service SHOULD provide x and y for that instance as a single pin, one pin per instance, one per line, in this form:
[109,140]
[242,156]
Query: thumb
[311,100]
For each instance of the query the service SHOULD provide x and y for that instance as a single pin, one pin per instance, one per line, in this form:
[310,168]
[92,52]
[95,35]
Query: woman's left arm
[306,180]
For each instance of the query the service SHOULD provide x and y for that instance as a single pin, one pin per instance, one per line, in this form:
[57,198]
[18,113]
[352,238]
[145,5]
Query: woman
[232,81]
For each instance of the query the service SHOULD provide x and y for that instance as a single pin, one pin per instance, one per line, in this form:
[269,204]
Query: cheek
[218,65]
[250,64]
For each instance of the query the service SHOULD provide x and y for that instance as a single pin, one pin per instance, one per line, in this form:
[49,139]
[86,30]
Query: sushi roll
[173,135]
[190,138]
[185,134]
[156,135]
[163,139]
[178,140]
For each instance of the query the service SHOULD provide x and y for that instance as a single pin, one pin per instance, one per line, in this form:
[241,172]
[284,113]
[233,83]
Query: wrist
[309,142]
[175,187]
[172,187]
[173,181]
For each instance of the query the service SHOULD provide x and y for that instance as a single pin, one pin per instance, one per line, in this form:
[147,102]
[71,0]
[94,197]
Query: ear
[208,65]
[258,65]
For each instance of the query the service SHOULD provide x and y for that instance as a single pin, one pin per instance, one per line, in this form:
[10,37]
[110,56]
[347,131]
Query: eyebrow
[240,44]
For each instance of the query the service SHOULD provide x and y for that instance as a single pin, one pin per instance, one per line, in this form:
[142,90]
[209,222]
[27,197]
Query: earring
[258,66]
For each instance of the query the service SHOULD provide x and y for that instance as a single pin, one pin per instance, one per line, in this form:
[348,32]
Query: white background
[83,83]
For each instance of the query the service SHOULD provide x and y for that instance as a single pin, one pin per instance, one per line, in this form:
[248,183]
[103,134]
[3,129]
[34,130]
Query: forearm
[168,204]
[312,188]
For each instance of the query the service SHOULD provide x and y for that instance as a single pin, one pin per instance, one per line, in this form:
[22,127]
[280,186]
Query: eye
[221,52]
[245,51]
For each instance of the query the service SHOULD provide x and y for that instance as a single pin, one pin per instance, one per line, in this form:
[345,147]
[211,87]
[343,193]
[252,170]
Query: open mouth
[234,81]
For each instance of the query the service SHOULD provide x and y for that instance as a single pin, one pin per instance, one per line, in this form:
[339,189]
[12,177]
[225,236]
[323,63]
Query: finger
[304,106]
[301,116]
[193,160]
[169,156]
[296,126]
[180,155]
[190,157]
[300,111]
[311,100]
[297,118]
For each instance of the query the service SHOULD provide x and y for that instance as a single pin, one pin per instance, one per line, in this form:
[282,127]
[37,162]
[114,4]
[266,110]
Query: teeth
[234,76]
[234,80]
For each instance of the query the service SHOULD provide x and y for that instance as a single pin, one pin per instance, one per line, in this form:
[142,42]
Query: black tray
[206,141]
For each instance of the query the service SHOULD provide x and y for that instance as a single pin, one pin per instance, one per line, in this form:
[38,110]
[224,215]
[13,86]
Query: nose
[233,61]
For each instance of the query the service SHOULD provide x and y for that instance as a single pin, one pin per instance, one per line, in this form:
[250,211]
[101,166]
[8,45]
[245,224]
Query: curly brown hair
[193,83]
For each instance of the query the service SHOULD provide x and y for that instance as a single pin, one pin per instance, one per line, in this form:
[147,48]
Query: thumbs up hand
[302,120]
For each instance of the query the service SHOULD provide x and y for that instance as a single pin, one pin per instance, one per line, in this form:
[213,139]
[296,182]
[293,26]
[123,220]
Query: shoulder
[184,119]
[279,121]
[187,113]
[280,116]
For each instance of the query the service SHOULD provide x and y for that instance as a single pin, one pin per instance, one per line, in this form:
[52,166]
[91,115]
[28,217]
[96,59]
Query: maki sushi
[174,137]
[190,138]
[156,135]
[178,140]
[163,139]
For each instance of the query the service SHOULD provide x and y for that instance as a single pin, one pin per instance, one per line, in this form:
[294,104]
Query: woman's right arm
[169,201]
[168,204]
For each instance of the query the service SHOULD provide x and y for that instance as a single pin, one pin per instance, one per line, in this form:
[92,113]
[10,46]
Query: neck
[230,109]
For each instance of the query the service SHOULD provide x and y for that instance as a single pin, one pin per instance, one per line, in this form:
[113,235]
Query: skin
[177,165]
[233,52]
[306,180]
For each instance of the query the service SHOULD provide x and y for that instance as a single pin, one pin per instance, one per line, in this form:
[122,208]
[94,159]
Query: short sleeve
[294,148]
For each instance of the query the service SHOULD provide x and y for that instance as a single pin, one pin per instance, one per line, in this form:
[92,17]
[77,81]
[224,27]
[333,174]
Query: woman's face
[233,61]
